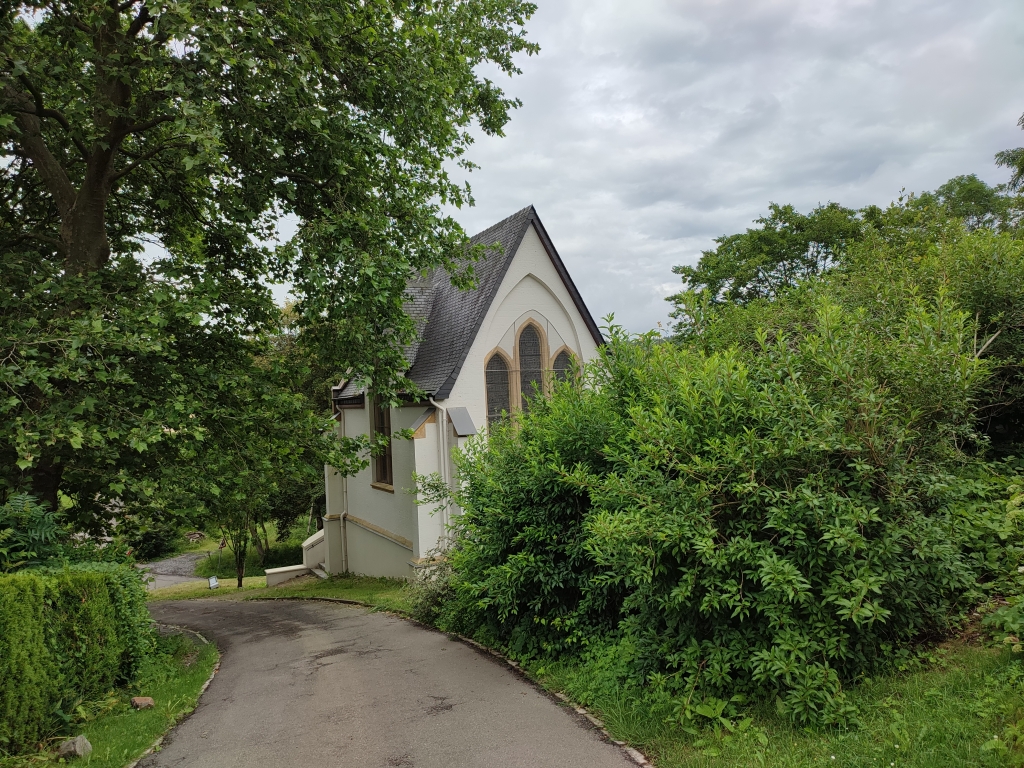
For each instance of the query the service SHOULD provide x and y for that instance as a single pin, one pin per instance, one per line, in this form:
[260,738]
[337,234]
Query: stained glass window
[497,388]
[563,366]
[530,373]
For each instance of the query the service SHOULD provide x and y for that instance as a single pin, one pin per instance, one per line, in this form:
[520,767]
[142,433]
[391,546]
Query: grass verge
[385,594]
[964,709]
[118,733]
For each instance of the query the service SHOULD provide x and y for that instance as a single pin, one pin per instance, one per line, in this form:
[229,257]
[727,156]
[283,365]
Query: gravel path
[173,570]
[320,684]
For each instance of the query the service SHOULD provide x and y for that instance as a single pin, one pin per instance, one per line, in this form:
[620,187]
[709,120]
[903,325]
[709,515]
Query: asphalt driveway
[322,684]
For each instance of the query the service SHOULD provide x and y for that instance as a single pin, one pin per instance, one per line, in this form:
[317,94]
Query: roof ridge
[502,223]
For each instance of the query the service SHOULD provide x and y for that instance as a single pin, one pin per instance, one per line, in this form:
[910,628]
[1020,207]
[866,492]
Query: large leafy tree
[783,248]
[960,243]
[1014,160]
[196,127]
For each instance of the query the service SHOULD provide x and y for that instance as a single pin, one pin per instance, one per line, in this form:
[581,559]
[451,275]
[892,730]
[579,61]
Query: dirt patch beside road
[173,570]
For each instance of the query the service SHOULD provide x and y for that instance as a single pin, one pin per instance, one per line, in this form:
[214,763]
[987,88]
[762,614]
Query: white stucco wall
[530,290]
[395,512]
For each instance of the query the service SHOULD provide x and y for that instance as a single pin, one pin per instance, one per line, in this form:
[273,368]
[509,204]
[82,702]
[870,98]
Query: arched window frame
[551,362]
[543,337]
[548,358]
[513,399]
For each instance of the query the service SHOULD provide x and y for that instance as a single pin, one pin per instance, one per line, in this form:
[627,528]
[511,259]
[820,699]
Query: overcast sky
[649,128]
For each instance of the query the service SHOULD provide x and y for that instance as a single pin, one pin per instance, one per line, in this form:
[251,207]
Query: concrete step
[277,575]
[320,572]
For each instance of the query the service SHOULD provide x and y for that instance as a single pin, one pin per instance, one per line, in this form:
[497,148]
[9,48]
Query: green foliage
[1014,160]
[975,203]
[151,538]
[765,261]
[915,250]
[28,689]
[66,636]
[222,566]
[173,676]
[29,533]
[771,522]
[524,572]
[152,387]
[964,708]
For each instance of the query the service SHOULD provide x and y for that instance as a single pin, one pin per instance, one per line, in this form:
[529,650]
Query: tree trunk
[45,478]
[84,232]
[257,541]
[240,547]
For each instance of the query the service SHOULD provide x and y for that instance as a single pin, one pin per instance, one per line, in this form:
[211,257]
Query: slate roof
[450,318]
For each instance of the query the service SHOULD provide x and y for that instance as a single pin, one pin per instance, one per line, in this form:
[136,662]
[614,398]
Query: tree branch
[43,111]
[54,241]
[139,161]
[140,127]
[31,141]
[991,338]
[301,177]
[140,21]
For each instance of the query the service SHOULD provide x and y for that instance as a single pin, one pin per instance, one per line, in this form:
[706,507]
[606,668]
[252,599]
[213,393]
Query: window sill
[383,487]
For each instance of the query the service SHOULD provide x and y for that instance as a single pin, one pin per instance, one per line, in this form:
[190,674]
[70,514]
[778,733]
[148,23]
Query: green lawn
[386,594]
[963,709]
[118,733]
[286,551]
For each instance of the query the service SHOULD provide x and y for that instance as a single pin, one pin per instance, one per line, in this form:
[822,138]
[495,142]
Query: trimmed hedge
[66,635]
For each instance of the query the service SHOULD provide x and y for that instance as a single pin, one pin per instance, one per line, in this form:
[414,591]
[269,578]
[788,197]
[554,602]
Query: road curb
[635,755]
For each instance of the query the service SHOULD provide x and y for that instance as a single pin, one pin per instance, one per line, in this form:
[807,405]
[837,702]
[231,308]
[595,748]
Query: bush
[29,533]
[775,522]
[150,539]
[28,686]
[66,635]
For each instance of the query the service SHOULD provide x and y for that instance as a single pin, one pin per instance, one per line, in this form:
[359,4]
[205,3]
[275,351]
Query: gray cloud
[649,128]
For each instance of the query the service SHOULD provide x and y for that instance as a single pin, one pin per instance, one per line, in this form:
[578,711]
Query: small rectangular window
[383,472]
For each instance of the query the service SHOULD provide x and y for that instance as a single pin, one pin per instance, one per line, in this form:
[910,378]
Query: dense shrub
[523,541]
[150,539]
[29,533]
[775,521]
[66,635]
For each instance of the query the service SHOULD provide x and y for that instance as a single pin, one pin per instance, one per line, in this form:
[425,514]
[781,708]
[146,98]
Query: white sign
[214,583]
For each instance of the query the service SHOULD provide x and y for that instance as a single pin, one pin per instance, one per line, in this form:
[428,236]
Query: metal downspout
[442,440]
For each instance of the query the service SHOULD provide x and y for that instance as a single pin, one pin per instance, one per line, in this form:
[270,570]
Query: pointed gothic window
[498,400]
[563,366]
[531,382]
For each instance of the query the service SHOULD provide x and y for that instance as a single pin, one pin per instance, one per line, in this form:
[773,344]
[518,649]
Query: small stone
[76,747]
[142,702]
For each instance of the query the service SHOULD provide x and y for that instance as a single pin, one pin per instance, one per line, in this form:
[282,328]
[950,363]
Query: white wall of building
[393,511]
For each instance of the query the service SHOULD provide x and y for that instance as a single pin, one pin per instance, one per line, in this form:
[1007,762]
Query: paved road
[320,684]
[173,570]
